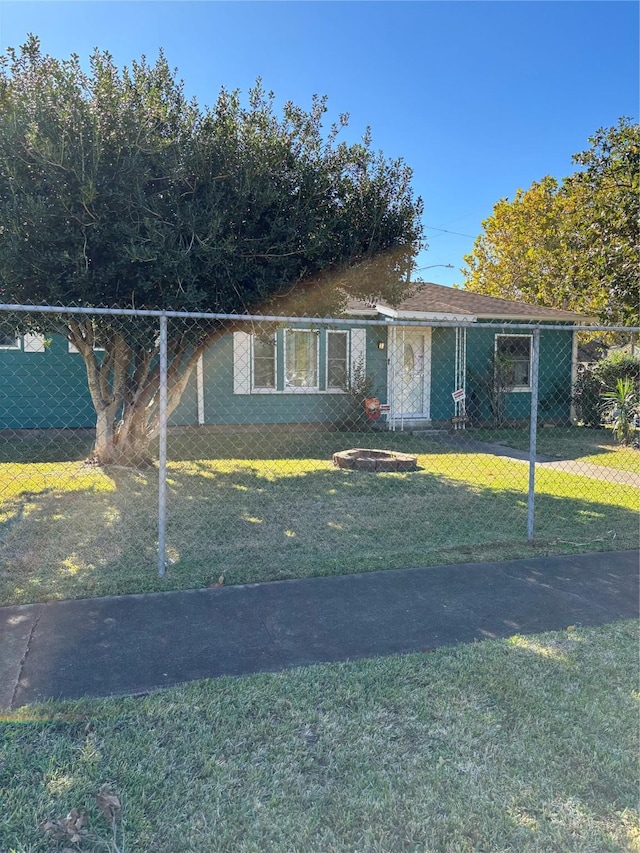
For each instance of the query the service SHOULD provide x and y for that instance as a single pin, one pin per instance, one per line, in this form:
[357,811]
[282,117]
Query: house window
[9,340]
[337,359]
[513,354]
[264,361]
[318,361]
[301,358]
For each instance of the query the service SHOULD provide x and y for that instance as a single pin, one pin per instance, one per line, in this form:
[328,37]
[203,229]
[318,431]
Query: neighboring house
[297,373]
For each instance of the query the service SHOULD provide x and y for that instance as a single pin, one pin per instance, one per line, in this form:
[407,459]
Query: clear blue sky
[480,98]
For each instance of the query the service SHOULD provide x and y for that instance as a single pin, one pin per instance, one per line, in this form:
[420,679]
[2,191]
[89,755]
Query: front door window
[411,377]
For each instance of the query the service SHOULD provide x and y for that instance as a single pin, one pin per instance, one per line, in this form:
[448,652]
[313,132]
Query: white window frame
[337,389]
[72,348]
[243,363]
[16,345]
[261,389]
[33,343]
[302,389]
[517,389]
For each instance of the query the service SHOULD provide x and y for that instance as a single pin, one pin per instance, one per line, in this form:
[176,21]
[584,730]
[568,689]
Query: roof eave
[576,319]
[394,314]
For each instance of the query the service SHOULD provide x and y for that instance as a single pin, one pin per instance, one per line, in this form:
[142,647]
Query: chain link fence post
[162,454]
[533,427]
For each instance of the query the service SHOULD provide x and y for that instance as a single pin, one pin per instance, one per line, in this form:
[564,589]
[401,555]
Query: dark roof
[436,298]
[591,352]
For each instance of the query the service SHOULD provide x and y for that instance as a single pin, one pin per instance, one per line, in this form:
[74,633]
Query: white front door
[410,371]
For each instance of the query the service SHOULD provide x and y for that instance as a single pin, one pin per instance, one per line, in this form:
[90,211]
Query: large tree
[573,244]
[116,190]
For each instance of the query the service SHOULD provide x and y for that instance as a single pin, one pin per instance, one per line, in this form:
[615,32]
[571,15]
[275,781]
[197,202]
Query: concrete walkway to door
[567,466]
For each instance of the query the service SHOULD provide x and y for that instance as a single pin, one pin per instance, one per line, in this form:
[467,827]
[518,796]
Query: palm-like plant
[619,407]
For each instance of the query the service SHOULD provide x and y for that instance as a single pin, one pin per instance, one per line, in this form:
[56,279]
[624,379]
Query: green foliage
[594,384]
[586,396]
[116,190]
[616,366]
[619,407]
[489,388]
[575,244]
[359,387]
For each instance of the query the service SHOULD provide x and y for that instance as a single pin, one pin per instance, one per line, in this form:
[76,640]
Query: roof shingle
[428,297]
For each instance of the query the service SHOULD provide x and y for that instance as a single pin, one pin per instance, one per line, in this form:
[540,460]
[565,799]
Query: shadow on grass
[258,520]
[275,443]
[64,445]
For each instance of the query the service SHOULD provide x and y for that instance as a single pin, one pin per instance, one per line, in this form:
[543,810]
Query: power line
[445,231]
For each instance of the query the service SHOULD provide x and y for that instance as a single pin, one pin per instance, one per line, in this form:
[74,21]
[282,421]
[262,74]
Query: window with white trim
[263,357]
[301,358]
[296,360]
[9,340]
[337,359]
[514,354]
[28,342]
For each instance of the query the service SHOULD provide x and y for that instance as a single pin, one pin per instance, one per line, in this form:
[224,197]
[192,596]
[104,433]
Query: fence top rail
[276,318]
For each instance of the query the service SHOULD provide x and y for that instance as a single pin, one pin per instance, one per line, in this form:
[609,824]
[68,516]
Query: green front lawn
[526,745]
[70,531]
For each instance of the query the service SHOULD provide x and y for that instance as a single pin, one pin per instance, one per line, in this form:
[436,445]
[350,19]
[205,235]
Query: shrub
[618,365]
[359,386]
[586,396]
[595,384]
[619,408]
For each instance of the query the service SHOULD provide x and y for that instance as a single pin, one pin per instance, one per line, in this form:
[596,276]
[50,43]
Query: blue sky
[480,98]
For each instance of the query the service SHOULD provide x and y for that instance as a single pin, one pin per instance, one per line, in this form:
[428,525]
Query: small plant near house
[359,386]
[619,407]
[492,386]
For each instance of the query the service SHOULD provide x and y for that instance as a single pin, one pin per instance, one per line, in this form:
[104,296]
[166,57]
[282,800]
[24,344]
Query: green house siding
[376,363]
[223,406]
[554,383]
[49,389]
[43,390]
[443,352]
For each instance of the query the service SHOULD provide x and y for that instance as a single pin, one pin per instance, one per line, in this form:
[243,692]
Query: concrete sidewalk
[137,643]
[566,466]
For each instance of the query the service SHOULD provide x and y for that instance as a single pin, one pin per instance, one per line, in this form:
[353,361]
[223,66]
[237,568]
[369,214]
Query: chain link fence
[149,450]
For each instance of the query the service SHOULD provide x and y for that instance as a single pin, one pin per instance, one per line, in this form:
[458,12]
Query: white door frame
[395,369]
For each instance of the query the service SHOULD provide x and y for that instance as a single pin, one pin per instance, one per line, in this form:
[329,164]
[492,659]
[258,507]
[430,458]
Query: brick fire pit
[360,459]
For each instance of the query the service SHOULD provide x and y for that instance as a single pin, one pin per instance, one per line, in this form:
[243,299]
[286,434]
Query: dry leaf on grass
[70,828]
[108,804]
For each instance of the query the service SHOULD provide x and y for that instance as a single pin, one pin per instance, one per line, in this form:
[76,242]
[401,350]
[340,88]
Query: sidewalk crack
[23,660]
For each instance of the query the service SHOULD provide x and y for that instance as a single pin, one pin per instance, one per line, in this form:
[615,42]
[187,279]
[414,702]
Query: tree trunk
[124,389]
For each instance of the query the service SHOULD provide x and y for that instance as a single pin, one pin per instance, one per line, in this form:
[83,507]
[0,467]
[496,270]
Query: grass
[580,445]
[254,511]
[527,744]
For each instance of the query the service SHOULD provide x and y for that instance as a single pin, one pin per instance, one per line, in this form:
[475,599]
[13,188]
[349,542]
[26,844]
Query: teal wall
[222,406]
[49,389]
[40,390]
[443,352]
[554,389]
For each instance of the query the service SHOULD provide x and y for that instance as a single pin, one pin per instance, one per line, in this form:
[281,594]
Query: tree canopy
[116,190]
[573,244]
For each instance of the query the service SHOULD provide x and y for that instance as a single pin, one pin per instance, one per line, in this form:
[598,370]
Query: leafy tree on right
[573,244]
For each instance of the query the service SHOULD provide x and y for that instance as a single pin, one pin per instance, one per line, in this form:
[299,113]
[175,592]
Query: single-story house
[298,372]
